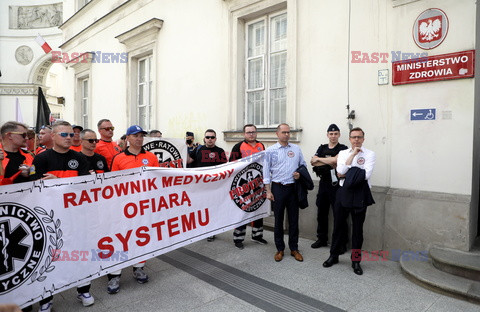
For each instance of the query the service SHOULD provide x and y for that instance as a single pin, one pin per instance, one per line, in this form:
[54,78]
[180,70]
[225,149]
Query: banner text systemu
[115,220]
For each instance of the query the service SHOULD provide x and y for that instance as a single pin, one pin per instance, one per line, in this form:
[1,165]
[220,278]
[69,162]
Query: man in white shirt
[363,160]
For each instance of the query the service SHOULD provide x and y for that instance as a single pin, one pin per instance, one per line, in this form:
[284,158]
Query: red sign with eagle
[430,28]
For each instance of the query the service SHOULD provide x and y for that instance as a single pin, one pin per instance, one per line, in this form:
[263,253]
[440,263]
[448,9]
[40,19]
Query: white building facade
[24,64]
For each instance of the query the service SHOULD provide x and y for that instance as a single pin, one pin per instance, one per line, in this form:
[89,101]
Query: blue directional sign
[423,114]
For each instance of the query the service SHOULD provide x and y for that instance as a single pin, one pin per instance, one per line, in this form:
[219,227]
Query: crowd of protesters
[64,150]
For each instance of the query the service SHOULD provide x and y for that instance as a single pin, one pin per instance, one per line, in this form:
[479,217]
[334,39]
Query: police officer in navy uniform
[324,163]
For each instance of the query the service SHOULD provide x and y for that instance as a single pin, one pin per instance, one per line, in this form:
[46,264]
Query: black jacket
[355,192]
[302,186]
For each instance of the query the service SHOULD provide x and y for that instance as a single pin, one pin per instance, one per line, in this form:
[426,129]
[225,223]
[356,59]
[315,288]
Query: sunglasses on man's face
[91,140]
[108,128]
[23,134]
[65,134]
[209,137]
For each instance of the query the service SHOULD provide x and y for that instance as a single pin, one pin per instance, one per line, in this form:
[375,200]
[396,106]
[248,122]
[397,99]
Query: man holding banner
[134,156]
[279,174]
[248,147]
[62,162]
[207,155]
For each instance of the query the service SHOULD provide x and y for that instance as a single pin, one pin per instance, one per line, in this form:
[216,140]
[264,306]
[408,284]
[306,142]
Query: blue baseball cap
[135,129]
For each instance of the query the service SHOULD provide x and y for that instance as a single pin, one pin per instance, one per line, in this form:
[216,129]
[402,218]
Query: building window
[144,92]
[83,89]
[84,102]
[140,44]
[266,60]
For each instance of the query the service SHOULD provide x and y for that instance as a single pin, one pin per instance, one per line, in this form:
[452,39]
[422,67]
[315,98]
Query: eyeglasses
[23,134]
[91,140]
[209,137]
[108,128]
[356,137]
[66,134]
[250,132]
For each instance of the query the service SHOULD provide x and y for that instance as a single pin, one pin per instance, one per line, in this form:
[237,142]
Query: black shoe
[357,269]
[239,245]
[211,238]
[330,261]
[259,240]
[319,243]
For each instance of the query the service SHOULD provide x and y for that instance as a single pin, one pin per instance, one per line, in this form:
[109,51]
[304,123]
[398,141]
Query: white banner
[57,234]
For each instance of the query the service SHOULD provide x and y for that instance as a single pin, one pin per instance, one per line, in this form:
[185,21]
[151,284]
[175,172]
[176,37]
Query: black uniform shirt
[204,156]
[324,151]
[62,165]
[97,163]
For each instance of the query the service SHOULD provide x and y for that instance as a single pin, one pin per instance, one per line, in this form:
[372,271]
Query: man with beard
[106,147]
[248,147]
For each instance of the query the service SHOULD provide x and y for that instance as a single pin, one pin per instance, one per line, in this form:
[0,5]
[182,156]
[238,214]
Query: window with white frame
[266,61]
[140,44]
[84,102]
[144,92]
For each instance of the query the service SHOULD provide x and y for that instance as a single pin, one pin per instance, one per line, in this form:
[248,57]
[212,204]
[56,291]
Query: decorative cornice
[18,90]
[101,23]
[145,33]
[82,62]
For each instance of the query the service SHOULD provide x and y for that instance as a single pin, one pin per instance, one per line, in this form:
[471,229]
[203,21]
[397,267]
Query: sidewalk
[216,276]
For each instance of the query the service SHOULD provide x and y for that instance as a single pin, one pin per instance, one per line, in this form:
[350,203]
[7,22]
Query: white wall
[434,155]
[192,87]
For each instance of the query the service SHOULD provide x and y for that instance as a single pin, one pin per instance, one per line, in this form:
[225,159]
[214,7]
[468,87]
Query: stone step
[456,262]
[424,273]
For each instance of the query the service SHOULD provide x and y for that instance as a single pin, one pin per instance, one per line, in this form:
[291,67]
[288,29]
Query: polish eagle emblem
[431,29]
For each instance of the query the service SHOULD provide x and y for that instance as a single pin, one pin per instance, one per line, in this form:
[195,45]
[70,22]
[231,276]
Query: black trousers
[240,232]
[326,199]
[340,215]
[285,198]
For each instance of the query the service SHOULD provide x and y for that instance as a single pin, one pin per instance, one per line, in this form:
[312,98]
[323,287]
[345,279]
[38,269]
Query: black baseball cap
[333,127]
